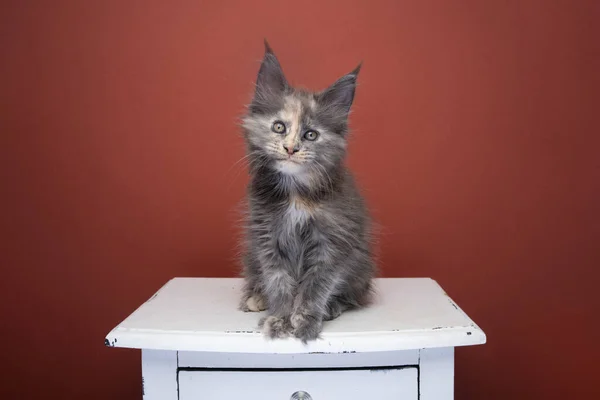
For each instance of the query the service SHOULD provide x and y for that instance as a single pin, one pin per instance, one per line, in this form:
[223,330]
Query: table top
[200,314]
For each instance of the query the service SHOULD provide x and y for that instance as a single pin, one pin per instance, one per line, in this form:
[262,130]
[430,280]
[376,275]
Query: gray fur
[308,255]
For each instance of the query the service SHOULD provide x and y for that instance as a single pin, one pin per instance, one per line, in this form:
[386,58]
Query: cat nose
[293,150]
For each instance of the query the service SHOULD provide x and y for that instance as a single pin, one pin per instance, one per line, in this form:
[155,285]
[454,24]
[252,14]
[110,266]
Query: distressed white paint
[192,336]
[200,314]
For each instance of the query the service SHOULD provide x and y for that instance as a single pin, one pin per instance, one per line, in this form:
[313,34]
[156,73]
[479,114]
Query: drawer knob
[301,395]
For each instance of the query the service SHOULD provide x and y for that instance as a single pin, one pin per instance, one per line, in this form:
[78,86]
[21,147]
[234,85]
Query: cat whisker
[238,167]
[241,160]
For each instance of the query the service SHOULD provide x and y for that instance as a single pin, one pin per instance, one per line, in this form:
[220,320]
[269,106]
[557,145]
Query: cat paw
[275,327]
[254,303]
[305,327]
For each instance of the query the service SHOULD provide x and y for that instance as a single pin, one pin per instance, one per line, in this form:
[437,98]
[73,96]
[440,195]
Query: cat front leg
[278,287]
[311,302]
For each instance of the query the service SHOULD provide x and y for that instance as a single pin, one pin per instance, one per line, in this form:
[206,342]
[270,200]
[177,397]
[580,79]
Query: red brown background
[476,144]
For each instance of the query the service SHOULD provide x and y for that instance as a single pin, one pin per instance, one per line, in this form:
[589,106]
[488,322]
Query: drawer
[394,383]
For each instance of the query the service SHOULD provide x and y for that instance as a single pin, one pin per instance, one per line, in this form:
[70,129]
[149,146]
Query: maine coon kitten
[308,255]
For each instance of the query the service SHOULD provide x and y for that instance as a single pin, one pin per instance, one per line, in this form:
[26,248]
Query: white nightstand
[196,345]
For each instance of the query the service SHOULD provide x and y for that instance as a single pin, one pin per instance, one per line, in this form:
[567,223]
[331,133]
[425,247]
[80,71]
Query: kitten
[308,255]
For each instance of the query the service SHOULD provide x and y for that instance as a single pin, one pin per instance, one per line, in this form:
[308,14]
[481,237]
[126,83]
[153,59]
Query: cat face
[293,131]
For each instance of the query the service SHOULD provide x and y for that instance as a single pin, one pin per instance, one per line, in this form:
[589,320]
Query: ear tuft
[268,48]
[356,70]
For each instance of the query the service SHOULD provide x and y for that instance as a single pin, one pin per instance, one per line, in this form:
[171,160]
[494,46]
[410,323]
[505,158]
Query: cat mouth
[288,159]
[289,167]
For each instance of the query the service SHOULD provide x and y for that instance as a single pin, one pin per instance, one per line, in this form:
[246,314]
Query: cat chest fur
[296,229]
[298,212]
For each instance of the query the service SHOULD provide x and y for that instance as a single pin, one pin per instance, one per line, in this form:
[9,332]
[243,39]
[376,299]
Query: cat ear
[341,93]
[271,79]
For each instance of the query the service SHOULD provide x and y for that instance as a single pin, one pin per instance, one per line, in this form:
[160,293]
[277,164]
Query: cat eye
[311,135]
[278,127]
